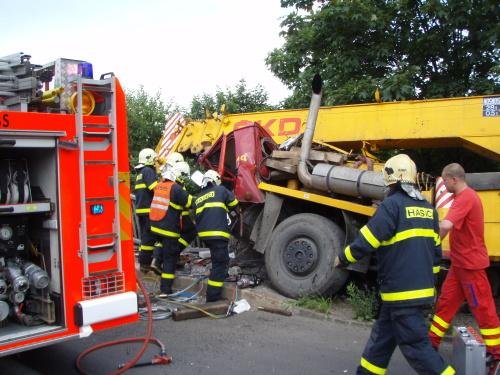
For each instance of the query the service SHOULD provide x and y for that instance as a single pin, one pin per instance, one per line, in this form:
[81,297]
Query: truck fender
[353,222]
[266,221]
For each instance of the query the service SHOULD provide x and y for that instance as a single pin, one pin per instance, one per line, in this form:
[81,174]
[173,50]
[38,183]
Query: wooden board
[286,165]
[185,313]
[293,156]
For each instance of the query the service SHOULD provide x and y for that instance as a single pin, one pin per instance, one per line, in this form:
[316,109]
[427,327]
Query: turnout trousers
[147,241]
[220,263]
[404,327]
[471,285]
[170,255]
[185,239]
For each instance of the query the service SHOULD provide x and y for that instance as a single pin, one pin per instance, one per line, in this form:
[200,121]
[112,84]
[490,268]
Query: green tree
[146,116]
[240,99]
[410,49]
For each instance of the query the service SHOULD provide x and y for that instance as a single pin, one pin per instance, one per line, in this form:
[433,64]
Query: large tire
[300,258]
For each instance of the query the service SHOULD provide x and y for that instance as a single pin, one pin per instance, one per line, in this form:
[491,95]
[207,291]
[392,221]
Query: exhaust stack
[331,178]
[304,176]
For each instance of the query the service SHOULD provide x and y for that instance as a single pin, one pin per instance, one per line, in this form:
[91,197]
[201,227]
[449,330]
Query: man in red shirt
[466,278]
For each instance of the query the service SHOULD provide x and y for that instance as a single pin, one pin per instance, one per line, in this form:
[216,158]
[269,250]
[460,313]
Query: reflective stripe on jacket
[211,208]
[404,234]
[145,182]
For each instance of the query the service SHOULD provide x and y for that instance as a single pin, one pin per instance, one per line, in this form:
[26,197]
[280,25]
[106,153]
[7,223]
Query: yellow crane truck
[302,205]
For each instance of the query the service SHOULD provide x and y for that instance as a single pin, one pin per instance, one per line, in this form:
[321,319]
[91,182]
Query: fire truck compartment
[30,251]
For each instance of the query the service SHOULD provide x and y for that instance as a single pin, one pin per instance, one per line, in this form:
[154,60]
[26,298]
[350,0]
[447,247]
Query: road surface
[254,342]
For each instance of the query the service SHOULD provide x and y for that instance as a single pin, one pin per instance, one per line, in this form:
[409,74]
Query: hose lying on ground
[162,358]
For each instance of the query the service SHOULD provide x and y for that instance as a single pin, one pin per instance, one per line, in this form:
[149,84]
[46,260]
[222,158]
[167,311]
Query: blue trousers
[404,327]
[147,241]
[170,252]
[220,264]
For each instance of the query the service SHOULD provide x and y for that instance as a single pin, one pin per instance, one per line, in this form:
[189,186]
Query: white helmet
[173,172]
[400,168]
[182,168]
[147,156]
[211,176]
[174,158]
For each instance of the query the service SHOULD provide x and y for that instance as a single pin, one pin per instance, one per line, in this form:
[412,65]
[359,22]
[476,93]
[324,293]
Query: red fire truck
[66,245]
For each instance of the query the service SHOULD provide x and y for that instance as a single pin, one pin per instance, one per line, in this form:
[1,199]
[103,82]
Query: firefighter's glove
[338,263]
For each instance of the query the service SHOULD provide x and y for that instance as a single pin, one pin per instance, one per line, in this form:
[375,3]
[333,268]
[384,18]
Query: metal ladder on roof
[100,247]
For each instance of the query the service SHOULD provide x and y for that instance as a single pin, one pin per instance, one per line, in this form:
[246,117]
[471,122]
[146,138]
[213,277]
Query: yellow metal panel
[492,239]
[320,199]
[488,146]
[439,118]
[491,208]
[454,122]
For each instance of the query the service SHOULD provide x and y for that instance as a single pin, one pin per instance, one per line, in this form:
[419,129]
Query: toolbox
[469,352]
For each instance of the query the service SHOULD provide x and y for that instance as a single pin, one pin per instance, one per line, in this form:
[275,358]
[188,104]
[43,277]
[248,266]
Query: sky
[178,48]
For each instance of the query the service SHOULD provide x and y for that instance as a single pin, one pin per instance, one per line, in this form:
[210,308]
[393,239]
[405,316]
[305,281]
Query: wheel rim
[300,256]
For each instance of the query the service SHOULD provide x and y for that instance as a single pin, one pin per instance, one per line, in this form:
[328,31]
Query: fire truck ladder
[100,215]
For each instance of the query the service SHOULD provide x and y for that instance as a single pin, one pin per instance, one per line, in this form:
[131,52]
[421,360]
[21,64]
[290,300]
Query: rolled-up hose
[88,102]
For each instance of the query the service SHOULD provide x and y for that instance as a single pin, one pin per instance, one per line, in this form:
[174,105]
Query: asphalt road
[253,342]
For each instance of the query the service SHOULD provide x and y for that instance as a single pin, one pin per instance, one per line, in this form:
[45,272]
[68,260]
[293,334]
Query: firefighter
[211,209]
[159,208]
[404,234]
[145,183]
[174,158]
[167,222]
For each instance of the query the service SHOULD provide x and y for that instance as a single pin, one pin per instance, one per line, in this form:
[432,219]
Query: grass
[315,303]
[364,302]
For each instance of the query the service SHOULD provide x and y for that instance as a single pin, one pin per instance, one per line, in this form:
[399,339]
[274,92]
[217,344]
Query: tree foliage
[411,49]
[238,100]
[146,116]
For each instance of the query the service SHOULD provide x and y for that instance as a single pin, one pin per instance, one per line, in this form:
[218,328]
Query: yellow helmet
[400,168]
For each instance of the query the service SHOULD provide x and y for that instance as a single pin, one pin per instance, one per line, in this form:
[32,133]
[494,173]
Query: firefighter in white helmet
[166,221]
[174,158]
[145,182]
[404,235]
[160,203]
[211,208]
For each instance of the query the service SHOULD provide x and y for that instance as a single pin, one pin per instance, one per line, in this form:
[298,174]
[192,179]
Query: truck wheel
[299,260]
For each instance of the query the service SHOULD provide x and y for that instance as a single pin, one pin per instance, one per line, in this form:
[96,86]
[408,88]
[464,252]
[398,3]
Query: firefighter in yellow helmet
[145,182]
[404,235]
